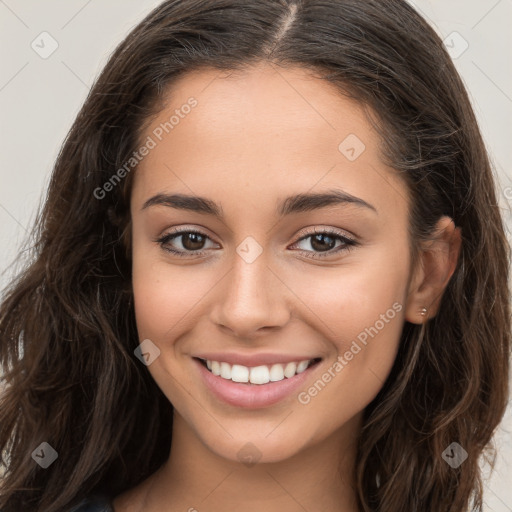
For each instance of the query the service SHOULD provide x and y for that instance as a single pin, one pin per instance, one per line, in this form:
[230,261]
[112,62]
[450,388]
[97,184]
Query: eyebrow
[298,203]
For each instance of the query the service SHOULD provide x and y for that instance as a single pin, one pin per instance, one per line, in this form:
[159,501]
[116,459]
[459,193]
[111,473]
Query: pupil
[195,239]
[322,247]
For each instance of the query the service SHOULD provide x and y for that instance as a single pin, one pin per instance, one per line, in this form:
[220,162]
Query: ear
[436,263]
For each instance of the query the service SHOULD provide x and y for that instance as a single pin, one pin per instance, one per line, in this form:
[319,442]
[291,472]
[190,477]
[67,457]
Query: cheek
[347,299]
[165,298]
[165,295]
[360,312]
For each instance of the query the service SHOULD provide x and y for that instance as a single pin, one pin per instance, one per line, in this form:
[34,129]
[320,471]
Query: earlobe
[436,264]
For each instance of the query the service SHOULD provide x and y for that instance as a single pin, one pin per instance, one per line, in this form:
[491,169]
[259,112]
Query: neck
[195,478]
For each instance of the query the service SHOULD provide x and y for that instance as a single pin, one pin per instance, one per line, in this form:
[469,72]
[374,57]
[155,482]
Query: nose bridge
[252,296]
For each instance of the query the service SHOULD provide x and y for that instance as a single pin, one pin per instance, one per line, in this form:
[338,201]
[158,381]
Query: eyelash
[347,243]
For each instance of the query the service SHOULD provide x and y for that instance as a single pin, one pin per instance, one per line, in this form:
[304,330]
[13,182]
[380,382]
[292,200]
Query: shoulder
[95,503]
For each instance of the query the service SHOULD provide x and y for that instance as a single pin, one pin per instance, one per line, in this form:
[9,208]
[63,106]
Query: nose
[251,300]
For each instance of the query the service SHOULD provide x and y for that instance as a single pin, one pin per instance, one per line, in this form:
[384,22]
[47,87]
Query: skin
[254,139]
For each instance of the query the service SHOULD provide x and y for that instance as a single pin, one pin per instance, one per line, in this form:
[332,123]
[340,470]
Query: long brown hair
[67,327]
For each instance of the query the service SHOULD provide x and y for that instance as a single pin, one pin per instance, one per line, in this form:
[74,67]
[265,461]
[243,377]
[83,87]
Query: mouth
[254,387]
[257,375]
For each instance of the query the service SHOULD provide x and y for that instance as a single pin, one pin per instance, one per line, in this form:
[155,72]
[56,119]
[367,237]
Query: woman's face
[302,254]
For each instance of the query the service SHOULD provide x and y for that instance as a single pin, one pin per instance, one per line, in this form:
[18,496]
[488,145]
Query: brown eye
[184,243]
[192,241]
[322,242]
[325,243]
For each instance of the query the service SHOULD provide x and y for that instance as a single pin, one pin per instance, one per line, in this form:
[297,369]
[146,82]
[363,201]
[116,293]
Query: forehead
[265,131]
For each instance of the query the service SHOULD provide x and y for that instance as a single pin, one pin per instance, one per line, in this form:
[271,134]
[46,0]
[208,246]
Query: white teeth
[276,372]
[215,367]
[257,374]
[225,371]
[290,369]
[239,373]
[302,366]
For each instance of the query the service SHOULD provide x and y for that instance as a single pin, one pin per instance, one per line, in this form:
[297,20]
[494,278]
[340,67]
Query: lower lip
[252,396]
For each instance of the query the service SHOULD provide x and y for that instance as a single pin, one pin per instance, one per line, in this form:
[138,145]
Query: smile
[262,374]
[254,387]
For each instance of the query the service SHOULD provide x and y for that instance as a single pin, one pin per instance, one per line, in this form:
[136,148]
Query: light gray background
[40,97]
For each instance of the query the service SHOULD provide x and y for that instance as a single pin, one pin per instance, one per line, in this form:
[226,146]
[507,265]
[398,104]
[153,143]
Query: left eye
[325,243]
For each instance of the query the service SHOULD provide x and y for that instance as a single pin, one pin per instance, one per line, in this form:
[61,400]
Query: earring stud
[423,311]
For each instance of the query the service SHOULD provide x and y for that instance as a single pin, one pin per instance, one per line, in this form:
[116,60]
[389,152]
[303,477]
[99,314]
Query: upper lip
[255,359]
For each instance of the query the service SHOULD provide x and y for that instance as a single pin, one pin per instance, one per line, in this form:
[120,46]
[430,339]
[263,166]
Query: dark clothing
[98,503]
